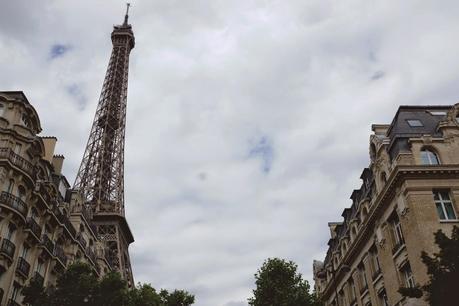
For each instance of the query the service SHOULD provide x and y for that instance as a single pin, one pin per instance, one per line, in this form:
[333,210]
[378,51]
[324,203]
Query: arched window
[428,157]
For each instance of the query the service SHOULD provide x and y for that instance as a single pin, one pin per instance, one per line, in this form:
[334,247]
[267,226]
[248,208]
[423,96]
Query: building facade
[409,191]
[44,225]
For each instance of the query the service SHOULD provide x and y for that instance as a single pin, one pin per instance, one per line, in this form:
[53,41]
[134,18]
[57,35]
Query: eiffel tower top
[124,29]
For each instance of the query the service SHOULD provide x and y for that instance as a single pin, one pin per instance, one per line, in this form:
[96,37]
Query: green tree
[279,284]
[78,285]
[176,298]
[34,293]
[443,271]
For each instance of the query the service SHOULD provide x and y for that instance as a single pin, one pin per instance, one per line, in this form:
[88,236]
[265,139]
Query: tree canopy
[443,271]
[78,285]
[279,284]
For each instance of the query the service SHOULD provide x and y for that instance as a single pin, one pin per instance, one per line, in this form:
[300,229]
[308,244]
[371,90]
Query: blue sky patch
[58,50]
[263,149]
[75,91]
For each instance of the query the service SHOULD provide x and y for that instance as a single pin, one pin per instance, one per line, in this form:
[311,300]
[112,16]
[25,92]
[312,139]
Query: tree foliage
[78,285]
[279,284]
[443,271]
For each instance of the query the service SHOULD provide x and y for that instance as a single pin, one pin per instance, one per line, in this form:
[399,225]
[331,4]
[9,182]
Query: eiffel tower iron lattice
[100,178]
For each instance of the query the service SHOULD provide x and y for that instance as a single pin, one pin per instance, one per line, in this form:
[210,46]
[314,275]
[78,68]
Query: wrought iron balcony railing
[38,277]
[8,248]
[81,240]
[91,255]
[48,244]
[17,160]
[59,253]
[34,227]
[13,202]
[23,267]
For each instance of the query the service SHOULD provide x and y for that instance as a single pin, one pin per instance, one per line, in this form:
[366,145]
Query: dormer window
[414,123]
[428,157]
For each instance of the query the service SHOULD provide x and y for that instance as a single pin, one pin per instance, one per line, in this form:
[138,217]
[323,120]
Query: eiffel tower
[100,178]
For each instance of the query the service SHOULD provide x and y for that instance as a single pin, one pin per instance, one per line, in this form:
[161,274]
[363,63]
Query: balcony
[91,255]
[39,278]
[48,244]
[81,240]
[59,253]
[8,248]
[12,302]
[34,228]
[23,267]
[17,160]
[13,202]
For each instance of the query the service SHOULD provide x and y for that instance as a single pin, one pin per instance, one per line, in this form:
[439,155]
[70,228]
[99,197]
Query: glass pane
[433,158]
[436,196]
[445,196]
[424,158]
[440,212]
[450,211]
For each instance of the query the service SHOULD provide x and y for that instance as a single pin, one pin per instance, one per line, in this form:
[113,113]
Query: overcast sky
[248,121]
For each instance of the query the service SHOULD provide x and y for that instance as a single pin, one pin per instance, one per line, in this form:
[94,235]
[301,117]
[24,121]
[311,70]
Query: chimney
[58,161]
[50,144]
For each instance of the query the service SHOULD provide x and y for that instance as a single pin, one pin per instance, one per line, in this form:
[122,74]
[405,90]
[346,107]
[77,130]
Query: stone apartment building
[43,223]
[409,191]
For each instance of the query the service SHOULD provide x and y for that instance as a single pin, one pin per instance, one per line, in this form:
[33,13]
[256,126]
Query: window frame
[429,157]
[441,202]
[414,123]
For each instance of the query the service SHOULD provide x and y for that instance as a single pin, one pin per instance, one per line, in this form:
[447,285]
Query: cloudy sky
[248,121]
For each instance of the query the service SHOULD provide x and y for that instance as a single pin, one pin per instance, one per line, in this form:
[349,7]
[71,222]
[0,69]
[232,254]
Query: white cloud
[208,81]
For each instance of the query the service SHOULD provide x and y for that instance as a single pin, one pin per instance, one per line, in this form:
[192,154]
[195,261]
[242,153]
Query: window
[382,296]
[39,266]
[362,278]
[438,113]
[374,262]
[444,205]
[457,117]
[414,122]
[9,234]
[397,233]
[25,251]
[21,192]
[429,157]
[25,120]
[408,276]
[10,186]
[15,292]
[2,110]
